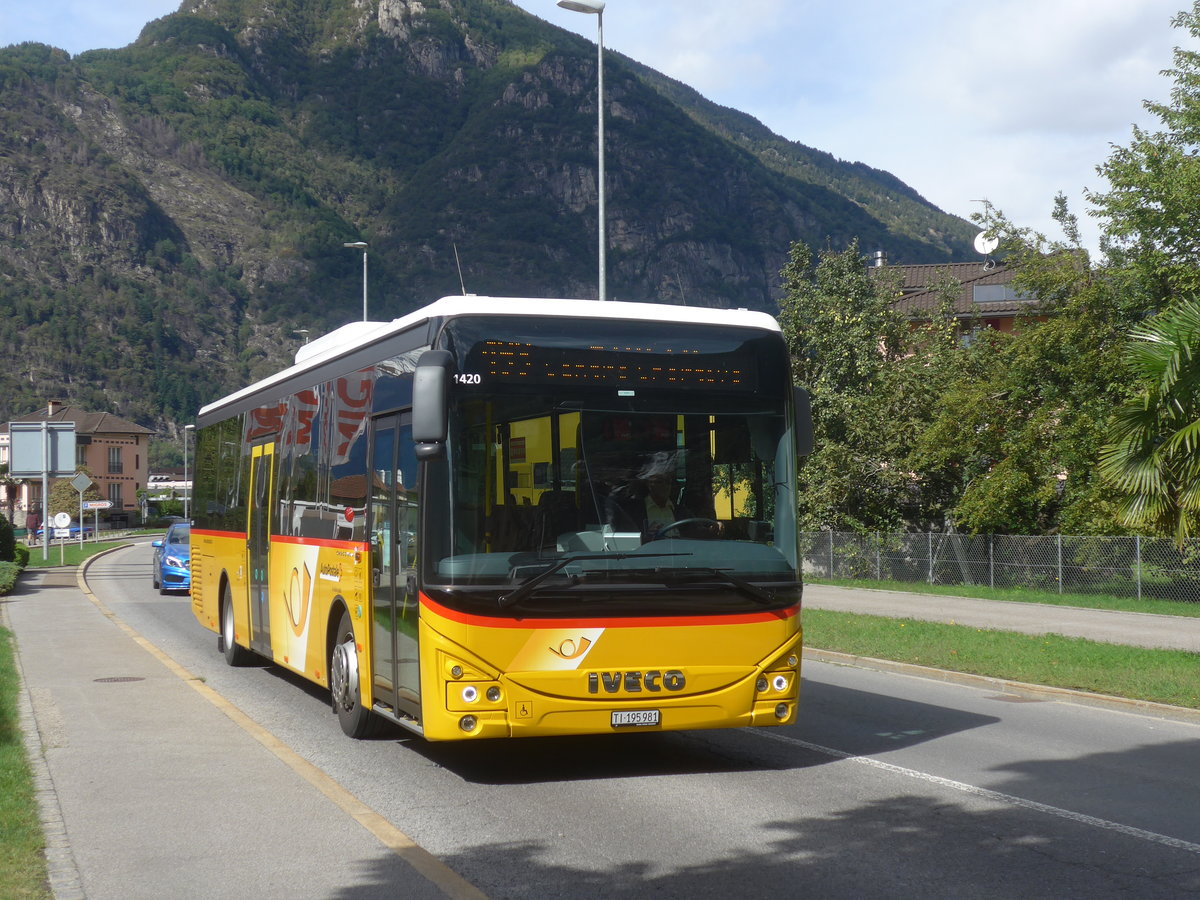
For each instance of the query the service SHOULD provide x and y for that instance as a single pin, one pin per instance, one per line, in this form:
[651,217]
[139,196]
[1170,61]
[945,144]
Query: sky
[1009,102]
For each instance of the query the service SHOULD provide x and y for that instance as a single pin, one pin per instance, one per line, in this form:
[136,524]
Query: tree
[871,389]
[10,486]
[1149,209]
[1153,456]
[1019,429]
[8,542]
[64,497]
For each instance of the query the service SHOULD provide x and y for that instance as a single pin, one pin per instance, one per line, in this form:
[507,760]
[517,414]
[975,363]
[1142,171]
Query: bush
[8,541]
[21,556]
[8,576]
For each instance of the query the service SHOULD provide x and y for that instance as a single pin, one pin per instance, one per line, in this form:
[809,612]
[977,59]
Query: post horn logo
[569,649]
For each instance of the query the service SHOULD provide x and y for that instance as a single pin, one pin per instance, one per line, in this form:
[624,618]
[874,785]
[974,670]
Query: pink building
[115,452]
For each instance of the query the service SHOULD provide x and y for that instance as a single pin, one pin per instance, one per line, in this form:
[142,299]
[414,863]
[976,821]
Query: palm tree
[1152,457]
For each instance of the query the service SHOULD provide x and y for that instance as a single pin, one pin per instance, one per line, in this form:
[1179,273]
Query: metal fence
[1116,566]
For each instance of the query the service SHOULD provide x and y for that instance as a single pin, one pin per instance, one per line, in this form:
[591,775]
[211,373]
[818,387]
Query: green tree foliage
[1150,207]
[1154,452]
[8,541]
[64,497]
[873,381]
[1020,425]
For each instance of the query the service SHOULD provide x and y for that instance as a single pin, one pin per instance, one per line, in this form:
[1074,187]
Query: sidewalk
[1137,629]
[148,790]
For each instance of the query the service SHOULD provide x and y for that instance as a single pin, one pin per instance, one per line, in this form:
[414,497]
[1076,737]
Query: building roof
[986,289]
[85,422]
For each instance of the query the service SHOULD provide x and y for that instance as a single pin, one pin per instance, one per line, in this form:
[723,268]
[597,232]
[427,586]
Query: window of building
[114,461]
[997,293]
[114,494]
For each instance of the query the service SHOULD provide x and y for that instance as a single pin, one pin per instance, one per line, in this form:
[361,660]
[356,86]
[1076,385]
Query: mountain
[172,213]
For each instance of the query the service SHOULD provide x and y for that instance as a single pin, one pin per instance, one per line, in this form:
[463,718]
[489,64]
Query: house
[115,452]
[987,298]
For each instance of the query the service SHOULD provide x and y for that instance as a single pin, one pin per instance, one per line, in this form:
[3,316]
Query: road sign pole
[45,491]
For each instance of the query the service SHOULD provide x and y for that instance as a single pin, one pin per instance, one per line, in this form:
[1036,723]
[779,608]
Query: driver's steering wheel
[694,520]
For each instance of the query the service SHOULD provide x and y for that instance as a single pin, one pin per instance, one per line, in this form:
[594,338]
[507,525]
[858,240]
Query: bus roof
[354,335]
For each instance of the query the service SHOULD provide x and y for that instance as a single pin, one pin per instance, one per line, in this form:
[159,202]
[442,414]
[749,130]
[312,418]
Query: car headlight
[176,563]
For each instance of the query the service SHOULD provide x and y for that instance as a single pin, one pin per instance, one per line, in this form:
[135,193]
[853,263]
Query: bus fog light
[792,661]
[467,723]
[470,693]
[456,672]
[780,683]
[493,694]
[781,711]
[761,686]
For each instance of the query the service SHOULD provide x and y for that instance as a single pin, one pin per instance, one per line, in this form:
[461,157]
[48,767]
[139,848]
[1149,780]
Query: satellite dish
[985,244]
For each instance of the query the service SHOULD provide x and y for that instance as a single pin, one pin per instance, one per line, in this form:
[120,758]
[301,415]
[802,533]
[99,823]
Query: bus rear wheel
[356,720]
[235,654]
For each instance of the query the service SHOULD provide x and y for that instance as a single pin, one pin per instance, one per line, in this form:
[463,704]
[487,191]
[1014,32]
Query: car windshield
[179,534]
[615,498]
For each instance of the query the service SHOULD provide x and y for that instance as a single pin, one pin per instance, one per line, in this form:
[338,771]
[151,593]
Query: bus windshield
[614,469]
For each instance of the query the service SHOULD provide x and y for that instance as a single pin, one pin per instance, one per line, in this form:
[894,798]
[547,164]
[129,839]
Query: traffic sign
[97,504]
[81,482]
[62,520]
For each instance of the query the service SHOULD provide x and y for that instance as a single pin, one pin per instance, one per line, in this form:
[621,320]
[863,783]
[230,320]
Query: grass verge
[1084,601]
[70,555]
[22,863]
[1138,673]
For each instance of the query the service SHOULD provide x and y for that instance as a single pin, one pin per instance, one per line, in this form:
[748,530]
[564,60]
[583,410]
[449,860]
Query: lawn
[22,865]
[1160,676]
[68,554]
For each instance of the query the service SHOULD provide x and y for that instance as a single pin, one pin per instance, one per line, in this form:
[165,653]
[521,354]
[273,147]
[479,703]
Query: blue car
[173,559]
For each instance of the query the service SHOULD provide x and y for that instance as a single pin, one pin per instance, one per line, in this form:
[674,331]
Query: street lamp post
[361,245]
[596,8]
[187,487]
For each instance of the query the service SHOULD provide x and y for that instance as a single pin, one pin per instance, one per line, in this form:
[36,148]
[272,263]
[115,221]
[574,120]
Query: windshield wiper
[753,591]
[526,588]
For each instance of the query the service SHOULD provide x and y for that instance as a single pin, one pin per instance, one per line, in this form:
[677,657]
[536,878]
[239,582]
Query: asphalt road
[889,785]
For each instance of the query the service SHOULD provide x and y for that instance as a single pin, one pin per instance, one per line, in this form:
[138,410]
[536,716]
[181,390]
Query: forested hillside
[173,213]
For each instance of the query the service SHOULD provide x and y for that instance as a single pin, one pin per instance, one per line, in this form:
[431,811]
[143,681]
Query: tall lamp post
[187,486]
[596,8]
[361,245]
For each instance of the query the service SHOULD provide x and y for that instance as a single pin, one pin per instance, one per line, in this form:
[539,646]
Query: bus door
[261,493]
[395,659]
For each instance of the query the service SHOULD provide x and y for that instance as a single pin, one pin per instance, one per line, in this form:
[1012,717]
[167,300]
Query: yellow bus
[500,517]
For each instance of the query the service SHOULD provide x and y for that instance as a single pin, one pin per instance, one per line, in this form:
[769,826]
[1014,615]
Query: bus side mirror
[431,393]
[804,424]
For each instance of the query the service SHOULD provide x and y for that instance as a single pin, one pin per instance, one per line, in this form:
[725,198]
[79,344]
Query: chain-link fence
[1117,566]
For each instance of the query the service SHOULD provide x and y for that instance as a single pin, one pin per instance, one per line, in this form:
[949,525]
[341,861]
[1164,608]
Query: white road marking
[1092,821]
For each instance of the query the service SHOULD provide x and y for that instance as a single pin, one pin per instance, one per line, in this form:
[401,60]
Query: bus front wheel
[235,654]
[356,720]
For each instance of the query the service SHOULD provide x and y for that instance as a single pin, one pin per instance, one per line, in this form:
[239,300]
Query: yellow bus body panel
[570,677]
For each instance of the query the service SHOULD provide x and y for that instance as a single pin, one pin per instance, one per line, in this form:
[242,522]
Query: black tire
[235,654]
[356,720]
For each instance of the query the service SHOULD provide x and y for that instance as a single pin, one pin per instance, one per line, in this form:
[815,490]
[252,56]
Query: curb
[1018,688]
